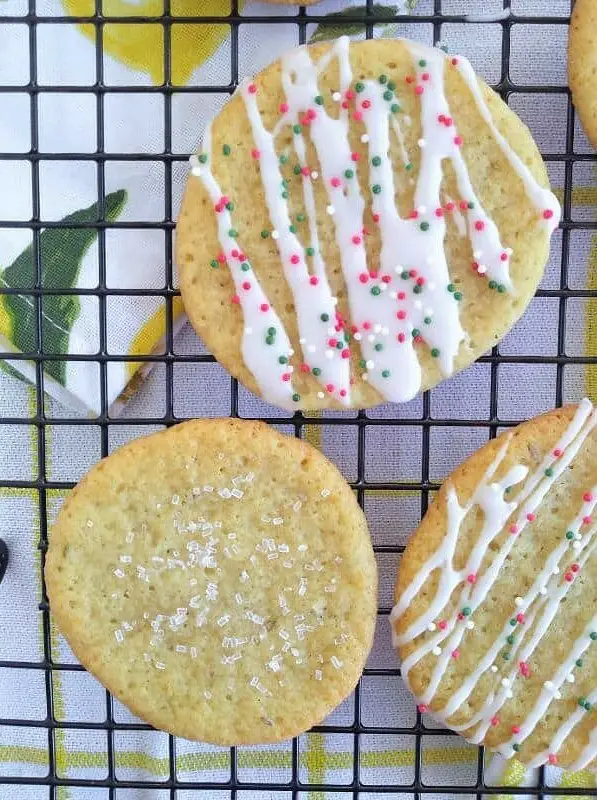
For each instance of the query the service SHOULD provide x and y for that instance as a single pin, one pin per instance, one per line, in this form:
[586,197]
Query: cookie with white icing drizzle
[364,220]
[219,579]
[496,600]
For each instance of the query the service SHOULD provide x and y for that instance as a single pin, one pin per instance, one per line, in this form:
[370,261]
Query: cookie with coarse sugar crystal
[364,220]
[582,64]
[495,618]
[218,578]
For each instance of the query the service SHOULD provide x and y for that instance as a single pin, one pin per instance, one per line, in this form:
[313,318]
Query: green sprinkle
[324,317]
[285,194]
[471,204]
[339,345]
[516,747]
[296,169]
[415,332]
[435,352]
[593,635]
[348,173]
[581,702]
[424,226]
[232,233]
[569,534]
[457,295]
[510,639]
[264,234]
[296,128]
[230,206]
[226,149]
[404,275]
[388,95]
[316,371]
[283,360]
[451,287]
[506,656]
[300,217]
[428,320]
[310,251]
[383,79]
[296,397]
[362,363]
[492,284]
[245,267]
[379,347]
[549,472]
[271,331]
[417,289]
[408,166]
[285,183]
[292,228]
[501,288]
[376,161]
[466,611]
[579,662]
[376,188]
[359,87]
[375,290]
[385,373]
[269,339]
[283,159]
[422,63]
[391,85]
[213,263]
[588,706]
[394,108]
[203,158]
[319,100]
[513,623]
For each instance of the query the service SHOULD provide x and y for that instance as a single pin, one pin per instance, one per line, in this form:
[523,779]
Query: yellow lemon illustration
[149,334]
[5,320]
[141,46]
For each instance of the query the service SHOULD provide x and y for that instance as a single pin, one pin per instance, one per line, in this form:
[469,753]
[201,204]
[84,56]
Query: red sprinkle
[345,104]
[557,453]
[548,213]
[422,708]
[346,353]
[412,273]
[401,338]
[246,286]
[357,116]
[376,218]
[441,118]
[363,277]
[479,225]
[520,618]
[450,206]
[283,108]
[304,368]
[472,578]
[419,89]
[449,122]
[355,156]
[587,520]
[336,182]
[329,388]
[386,278]
[373,273]
[418,339]
[342,392]
[504,256]
[425,76]
[255,153]
[587,497]
[313,280]
[414,214]
[475,266]
[420,281]
[306,171]
[495,721]
[356,240]
[531,517]
[454,62]
[455,653]
[401,314]
[286,376]
[366,104]
[458,141]
[575,567]
[350,95]
[439,212]
[252,88]
[552,758]
[332,342]
[569,577]
[234,253]
[294,259]
[409,79]
[515,729]
[264,307]
[218,208]
[401,295]
[222,258]
[513,528]
[235,299]
[366,326]
[442,624]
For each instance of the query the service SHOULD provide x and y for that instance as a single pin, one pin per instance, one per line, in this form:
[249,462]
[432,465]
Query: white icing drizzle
[407,298]
[468,588]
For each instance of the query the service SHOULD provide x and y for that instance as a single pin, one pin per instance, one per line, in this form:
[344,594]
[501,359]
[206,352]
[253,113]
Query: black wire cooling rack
[48,787]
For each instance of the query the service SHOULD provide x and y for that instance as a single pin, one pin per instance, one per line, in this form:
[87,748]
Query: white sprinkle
[364,377]
[505,682]
[125,559]
[283,634]
[129,537]
[365,138]
[181,648]
[239,598]
[576,545]
[556,570]
[275,235]
[207,694]
[89,523]
[302,587]
[518,601]
[325,493]
[223,620]
[330,210]
[159,665]
[301,548]
[208,489]
[421,143]
[320,395]
[314,175]
[278,521]
[470,624]
[336,97]
[302,341]
[557,695]
[119,573]
[543,590]
[494,668]
[509,693]
[318,674]
[244,576]
[175,500]
[193,652]
[370,364]
[549,686]
[231,659]
[570,678]
[432,626]
[437,651]
[357,337]
[336,662]
[146,657]
[119,635]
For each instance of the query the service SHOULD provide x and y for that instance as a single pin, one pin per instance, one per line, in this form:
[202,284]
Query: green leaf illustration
[344,27]
[61,252]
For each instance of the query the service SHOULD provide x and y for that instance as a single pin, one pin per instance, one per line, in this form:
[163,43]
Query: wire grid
[425,423]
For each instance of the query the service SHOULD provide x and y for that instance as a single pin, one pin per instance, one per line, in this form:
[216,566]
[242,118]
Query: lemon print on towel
[150,334]
[141,45]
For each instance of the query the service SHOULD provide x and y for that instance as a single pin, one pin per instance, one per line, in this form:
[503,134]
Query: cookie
[217,578]
[364,220]
[582,64]
[495,617]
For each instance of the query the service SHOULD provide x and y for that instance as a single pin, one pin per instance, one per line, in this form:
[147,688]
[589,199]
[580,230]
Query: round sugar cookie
[364,220]
[496,614]
[582,64]
[217,578]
